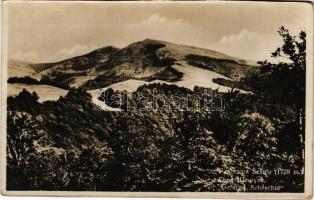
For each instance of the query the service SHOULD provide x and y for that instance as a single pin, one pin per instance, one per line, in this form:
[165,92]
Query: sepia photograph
[154,99]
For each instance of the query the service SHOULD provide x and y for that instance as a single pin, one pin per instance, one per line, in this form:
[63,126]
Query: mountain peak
[105,49]
[149,41]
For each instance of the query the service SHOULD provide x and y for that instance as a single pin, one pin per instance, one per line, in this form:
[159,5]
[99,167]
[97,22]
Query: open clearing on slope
[51,93]
[45,92]
[19,70]
[192,76]
[97,93]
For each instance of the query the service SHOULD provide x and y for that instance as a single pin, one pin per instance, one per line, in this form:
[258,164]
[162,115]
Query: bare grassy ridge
[144,60]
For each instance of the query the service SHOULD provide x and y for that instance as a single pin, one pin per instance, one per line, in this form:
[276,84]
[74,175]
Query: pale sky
[49,32]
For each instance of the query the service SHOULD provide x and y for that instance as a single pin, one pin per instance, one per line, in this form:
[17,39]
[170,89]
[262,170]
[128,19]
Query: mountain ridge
[147,60]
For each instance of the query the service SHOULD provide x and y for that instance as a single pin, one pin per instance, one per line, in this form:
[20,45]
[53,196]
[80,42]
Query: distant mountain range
[143,62]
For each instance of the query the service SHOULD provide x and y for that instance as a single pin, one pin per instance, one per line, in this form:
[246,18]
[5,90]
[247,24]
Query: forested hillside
[249,140]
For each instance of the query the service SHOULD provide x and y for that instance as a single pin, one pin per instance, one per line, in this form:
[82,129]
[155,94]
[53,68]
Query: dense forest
[254,144]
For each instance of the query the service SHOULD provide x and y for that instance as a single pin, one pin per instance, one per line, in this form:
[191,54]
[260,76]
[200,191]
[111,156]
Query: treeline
[26,80]
[57,79]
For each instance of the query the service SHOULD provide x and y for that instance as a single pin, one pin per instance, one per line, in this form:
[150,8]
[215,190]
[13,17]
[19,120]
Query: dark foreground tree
[283,82]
